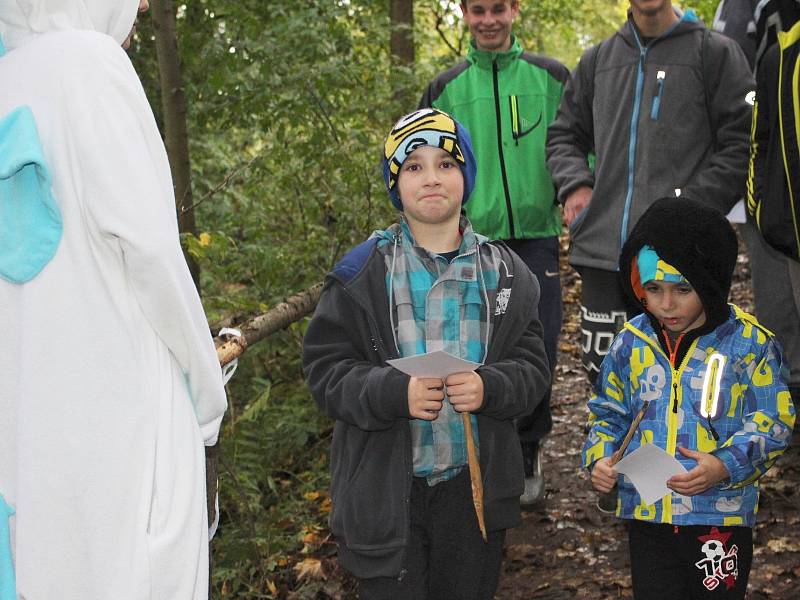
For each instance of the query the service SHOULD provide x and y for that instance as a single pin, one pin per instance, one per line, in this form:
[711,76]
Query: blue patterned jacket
[753,414]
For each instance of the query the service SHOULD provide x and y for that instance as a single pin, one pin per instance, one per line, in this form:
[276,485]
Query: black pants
[604,310]
[541,257]
[446,557]
[695,562]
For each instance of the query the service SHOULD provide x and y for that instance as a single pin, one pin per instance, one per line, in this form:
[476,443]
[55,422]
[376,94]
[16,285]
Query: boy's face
[430,186]
[490,22]
[676,305]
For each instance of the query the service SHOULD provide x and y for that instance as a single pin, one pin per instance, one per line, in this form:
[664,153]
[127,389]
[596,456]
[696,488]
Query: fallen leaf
[309,569]
[783,544]
[519,551]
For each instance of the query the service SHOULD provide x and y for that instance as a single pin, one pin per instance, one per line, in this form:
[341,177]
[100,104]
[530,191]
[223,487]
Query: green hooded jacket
[506,100]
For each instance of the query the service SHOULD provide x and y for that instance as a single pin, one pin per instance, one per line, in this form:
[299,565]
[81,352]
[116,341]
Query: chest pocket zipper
[655,107]
[711,390]
[516,120]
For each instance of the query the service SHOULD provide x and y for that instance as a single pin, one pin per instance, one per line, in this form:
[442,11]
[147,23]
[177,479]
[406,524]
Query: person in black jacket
[772,232]
[403,512]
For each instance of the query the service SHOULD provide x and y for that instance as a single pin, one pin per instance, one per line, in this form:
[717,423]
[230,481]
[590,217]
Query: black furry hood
[695,239]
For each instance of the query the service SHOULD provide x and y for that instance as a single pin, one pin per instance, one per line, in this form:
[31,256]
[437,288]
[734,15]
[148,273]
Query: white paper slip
[737,214]
[437,364]
[648,467]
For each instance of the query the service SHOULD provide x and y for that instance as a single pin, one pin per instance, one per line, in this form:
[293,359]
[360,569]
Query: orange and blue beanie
[427,127]
[653,268]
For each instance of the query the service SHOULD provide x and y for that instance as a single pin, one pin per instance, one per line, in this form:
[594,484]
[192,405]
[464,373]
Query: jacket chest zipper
[498,117]
[673,354]
[677,396]
[637,105]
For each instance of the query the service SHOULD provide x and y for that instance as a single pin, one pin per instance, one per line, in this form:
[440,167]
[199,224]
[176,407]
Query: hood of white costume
[21,20]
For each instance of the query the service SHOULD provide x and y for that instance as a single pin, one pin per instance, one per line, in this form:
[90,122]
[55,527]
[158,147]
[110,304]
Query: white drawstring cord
[391,295]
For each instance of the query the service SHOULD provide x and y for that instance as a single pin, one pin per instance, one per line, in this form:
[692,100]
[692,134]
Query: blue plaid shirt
[438,305]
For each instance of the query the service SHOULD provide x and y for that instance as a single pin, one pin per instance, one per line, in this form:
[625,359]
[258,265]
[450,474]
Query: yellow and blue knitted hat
[427,127]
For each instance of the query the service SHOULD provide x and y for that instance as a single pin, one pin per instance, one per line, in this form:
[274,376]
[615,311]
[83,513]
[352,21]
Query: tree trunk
[173,100]
[401,48]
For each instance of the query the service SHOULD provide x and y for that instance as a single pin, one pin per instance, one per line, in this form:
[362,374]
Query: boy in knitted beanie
[714,385]
[403,514]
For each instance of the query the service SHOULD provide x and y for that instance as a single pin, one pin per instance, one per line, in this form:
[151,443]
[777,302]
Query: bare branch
[439,23]
[222,185]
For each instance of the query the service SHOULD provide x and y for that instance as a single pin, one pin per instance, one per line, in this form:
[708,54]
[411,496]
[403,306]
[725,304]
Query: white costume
[109,382]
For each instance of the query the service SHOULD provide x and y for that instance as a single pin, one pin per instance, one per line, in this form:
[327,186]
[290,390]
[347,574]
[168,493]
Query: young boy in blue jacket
[403,513]
[719,403]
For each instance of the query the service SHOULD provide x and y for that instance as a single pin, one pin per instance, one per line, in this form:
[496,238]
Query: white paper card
[437,364]
[648,467]
[737,214]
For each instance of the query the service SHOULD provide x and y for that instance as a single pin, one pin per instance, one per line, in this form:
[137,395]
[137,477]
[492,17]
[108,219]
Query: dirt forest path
[568,549]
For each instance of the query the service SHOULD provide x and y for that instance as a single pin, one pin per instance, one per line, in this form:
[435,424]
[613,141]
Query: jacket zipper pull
[675,397]
[714,433]
[655,107]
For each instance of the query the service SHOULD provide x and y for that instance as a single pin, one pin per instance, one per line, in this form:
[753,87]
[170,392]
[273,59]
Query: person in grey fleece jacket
[665,107]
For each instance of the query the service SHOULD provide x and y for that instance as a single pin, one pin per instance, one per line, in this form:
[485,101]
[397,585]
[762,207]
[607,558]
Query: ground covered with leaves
[566,548]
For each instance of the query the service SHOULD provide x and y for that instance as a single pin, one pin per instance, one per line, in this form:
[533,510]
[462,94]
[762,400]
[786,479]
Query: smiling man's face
[490,22]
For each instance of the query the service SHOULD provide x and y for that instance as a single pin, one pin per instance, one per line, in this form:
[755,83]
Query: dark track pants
[604,310]
[446,558]
[695,562]
[541,257]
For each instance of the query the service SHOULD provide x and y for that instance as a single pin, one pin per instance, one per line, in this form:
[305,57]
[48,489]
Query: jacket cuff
[737,473]
[596,451]
[490,385]
[567,189]
[392,400]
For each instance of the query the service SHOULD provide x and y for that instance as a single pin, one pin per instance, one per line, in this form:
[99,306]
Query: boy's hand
[604,476]
[709,472]
[425,398]
[465,391]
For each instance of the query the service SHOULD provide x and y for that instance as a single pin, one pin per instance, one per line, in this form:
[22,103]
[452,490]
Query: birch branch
[279,317]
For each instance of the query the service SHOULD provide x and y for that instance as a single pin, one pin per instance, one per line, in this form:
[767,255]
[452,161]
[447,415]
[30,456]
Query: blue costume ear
[7,580]
[30,221]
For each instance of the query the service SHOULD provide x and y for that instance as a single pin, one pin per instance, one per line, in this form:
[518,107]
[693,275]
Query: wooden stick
[615,458]
[474,473]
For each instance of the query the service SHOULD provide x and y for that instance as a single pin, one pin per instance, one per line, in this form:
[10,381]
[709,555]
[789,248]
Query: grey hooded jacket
[669,118]
[345,351]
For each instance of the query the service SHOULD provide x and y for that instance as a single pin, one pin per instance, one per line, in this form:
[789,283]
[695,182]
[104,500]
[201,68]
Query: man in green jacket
[507,98]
